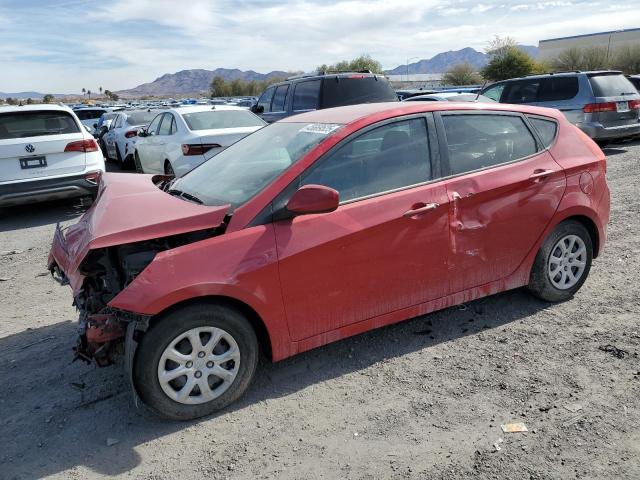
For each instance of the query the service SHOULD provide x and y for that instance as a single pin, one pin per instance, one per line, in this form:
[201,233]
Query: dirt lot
[422,399]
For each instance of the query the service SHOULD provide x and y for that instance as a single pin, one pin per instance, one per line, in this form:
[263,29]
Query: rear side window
[558,88]
[522,92]
[278,99]
[265,99]
[36,124]
[386,158]
[546,130]
[166,125]
[611,85]
[481,141]
[306,95]
[140,118]
[356,89]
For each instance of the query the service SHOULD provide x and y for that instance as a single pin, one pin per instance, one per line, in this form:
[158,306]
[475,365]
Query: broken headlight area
[106,272]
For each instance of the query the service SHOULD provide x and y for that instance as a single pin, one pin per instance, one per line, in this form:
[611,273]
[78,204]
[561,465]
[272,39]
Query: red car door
[504,191]
[383,249]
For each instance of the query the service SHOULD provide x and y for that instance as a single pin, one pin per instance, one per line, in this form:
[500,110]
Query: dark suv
[603,104]
[313,92]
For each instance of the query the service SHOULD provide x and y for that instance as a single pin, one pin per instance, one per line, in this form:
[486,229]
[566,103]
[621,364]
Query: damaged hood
[129,208]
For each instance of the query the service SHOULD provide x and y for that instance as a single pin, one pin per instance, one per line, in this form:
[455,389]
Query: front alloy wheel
[195,360]
[199,365]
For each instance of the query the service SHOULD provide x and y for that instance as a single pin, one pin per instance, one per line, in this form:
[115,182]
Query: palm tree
[83,91]
[89,93]
[100,88]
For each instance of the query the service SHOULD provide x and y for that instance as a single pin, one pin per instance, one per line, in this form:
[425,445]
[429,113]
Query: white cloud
[122,43]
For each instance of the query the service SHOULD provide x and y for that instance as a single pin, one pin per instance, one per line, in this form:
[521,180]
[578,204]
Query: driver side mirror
[313,199]
[95,125]
[257,108]
[142,132]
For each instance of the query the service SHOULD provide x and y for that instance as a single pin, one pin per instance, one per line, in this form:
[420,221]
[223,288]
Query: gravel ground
[422,399]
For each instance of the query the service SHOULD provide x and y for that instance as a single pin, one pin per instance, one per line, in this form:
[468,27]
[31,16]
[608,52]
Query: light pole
[408,60]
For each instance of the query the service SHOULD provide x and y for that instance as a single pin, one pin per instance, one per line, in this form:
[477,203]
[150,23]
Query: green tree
[506,60]
[48,98]
[29,101]
[219,87]
[115,97]
[570,59]
[363,62]
[462,74]
[84,90]
[10,101]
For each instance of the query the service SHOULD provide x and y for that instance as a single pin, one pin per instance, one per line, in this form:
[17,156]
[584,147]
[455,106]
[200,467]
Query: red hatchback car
[322,226]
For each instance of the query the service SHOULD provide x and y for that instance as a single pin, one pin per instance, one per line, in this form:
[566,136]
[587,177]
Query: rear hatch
[356,88]
[617,99]
[33,142]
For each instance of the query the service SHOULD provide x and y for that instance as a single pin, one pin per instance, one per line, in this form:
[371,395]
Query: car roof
[34,107]
[204,108]
[381,111]
[565,74]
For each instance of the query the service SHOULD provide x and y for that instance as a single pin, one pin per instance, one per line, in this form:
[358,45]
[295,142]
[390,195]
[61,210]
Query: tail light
[93,177]
[131,133]
[600,107]
[634,104]
[88,145]
[198,149]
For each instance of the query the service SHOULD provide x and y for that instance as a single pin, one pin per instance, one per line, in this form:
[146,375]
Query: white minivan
[46,154]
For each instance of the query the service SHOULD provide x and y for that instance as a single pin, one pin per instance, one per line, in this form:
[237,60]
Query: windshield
[245,168]
[213,119]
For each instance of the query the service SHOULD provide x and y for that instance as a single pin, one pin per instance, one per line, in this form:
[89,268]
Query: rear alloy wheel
[195,361]
[136,162]
[563,263]
[168,169]
[118,157]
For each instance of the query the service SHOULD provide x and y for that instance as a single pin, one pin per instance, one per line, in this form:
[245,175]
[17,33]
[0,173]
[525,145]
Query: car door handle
[422,209]
[540,174]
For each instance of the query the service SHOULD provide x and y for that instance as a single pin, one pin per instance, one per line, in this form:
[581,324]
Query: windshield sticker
[320,128]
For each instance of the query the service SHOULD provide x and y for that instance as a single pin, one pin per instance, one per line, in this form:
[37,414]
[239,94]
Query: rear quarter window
[546,129]
[556,89]
[36,124]
[306,95]
[338,91]
[522,92]
[611,85]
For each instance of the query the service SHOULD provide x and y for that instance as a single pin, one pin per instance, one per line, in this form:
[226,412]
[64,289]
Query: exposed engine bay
[106,272]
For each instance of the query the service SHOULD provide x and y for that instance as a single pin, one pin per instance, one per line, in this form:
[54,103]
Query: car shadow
[58,415]
[617,148]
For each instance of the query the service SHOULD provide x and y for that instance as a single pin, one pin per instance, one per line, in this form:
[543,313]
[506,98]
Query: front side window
[386,158]
[494,92]
[165,126]
[306,95]
[245,168]
[153,126]
[480,141]
[265,99]
[279,98]
[525,91]
[36,124]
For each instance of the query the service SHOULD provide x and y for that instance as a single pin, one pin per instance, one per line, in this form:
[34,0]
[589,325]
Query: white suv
[46,154]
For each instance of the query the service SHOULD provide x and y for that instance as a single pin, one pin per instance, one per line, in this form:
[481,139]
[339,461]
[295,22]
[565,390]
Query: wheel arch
[591,227]
[258,325]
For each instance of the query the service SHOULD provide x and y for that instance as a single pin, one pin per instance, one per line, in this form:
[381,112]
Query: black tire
[540,283]
[168,169]
[119,157]
[160,335]
[136,162]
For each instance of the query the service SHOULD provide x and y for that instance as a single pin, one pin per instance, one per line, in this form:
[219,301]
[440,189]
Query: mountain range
[442,62]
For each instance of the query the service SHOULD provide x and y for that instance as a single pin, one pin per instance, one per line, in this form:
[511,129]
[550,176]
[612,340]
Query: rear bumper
[599,132]
[19,193]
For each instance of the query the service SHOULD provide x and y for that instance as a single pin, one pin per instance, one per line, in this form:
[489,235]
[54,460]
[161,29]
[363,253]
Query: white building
[553,47]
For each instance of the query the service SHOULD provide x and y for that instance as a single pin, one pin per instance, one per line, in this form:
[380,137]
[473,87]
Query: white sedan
[119,141]
[177,140]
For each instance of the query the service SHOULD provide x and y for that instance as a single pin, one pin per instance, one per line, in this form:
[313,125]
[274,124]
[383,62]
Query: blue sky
[61,47]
